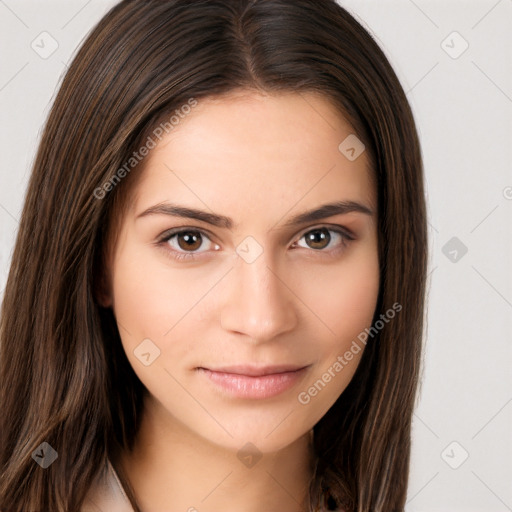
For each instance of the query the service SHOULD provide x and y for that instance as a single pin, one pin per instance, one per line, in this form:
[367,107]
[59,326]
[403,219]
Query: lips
[251,382]
[254,371]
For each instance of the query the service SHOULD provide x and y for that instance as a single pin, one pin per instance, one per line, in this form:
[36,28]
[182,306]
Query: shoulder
[106,494]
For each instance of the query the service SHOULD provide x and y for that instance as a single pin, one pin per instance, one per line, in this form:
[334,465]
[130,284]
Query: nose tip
[259,304]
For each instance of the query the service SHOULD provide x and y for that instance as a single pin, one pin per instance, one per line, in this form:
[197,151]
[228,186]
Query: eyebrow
[221,221]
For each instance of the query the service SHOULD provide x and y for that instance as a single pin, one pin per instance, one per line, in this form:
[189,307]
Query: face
[237,319]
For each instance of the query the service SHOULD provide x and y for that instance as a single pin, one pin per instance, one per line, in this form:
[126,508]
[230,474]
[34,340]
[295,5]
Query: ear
[103,289]
[103,298]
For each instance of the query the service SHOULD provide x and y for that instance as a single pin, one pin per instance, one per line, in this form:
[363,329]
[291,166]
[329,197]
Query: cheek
[149,294]
[153,307]
[145,304]
[160,303]
[355,304]
[344,298]
[344,307]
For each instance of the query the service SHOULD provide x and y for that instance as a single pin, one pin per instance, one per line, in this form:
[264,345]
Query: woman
[261,353]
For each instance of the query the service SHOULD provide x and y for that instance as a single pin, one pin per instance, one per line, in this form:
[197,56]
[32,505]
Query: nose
[259,303]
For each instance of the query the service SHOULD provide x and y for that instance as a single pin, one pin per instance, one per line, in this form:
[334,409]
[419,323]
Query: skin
[260,160]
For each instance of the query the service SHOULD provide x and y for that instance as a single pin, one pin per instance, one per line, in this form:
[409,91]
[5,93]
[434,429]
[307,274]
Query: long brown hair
[61,356]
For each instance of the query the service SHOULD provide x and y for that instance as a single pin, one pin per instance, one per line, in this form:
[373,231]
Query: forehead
[249,152]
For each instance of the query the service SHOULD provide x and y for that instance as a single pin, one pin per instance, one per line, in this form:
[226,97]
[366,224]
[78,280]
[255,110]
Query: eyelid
[166,235]
[332,227]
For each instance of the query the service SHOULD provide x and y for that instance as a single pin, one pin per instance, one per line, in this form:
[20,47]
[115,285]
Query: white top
[107,494]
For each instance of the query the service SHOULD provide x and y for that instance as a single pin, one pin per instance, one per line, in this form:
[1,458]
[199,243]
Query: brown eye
[318,238]
[186,243]
[323,239]
[189,240]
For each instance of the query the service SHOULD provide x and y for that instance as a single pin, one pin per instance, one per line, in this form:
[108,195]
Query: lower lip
[244,386]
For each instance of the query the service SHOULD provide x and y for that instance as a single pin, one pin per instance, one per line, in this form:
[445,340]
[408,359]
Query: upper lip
[256,371]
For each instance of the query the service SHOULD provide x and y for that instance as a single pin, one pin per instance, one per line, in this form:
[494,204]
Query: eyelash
[346,238]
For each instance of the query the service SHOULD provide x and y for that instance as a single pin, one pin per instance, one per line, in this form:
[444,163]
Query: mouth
[255,371]
[250,382]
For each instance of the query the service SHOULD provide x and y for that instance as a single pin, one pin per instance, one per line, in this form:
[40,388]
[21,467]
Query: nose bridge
[259,304]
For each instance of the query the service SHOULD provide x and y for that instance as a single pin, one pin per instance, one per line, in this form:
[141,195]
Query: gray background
[462,101]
